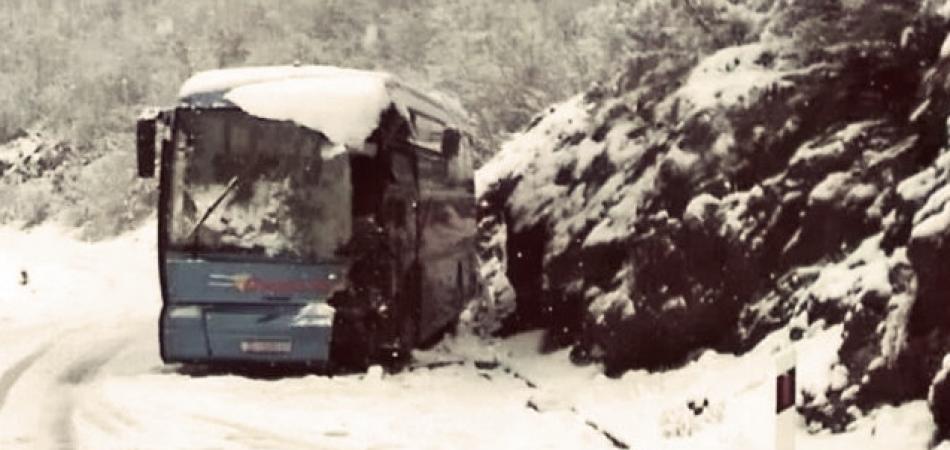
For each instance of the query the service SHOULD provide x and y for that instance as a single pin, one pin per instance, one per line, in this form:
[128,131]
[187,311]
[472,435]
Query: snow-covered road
[104,388]
[79,369]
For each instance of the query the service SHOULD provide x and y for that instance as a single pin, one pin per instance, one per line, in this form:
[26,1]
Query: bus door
[397,217]
[445,223]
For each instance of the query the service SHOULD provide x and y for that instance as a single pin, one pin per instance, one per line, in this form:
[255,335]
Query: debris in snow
[482,364]
[687,419]
[24,278]
[374,373]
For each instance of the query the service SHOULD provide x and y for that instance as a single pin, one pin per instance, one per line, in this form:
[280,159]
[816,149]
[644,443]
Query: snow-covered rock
[652,221]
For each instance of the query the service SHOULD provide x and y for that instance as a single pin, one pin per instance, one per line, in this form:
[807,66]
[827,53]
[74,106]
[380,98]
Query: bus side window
[432,166]
[427,132]
[402,169]
[467,163]
[466,159]
[458,158]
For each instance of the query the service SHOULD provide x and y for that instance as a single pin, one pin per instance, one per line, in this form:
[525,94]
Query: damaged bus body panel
[309,214]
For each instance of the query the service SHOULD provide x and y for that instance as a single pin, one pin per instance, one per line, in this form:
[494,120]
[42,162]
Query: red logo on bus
[248,283]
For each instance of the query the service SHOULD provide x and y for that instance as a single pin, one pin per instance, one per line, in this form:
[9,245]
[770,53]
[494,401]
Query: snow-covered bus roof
[343,104]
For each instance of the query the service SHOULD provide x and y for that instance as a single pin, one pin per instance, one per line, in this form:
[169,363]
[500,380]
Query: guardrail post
[785,400]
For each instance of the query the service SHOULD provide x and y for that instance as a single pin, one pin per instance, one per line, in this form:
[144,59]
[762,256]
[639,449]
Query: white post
[785,391]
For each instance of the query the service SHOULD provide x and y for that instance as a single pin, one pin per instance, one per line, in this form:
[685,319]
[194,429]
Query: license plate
[265,346]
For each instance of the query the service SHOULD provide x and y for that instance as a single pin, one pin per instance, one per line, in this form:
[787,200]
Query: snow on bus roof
[227,79]
[343,104]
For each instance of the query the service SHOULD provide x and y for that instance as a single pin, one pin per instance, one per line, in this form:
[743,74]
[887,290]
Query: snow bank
[718,401]
[67,278]
[906,426]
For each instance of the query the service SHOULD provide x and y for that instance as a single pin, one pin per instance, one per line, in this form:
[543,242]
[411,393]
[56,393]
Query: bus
[308,215]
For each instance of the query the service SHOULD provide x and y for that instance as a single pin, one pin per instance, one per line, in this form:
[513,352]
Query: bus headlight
[185,312]
[316,314]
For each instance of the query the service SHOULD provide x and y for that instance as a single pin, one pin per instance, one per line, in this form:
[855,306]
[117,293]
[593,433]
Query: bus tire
[352,344]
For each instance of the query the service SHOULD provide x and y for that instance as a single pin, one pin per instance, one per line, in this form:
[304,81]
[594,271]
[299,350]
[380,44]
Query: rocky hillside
[770,185]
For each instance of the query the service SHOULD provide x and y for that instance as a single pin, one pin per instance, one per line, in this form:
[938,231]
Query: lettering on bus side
[247,283]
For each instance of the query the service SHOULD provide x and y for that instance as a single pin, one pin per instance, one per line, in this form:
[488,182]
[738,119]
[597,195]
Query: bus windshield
[254,186]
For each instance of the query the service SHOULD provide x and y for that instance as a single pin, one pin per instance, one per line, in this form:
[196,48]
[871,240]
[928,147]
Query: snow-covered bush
[106,198]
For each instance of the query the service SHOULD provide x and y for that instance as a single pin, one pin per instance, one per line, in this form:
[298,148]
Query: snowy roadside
[67,278]
[51,283]
[651,410]
[80,369]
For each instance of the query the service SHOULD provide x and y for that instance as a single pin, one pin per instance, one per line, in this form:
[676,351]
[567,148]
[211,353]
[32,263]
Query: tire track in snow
[83,370]
[483,366]
[260,438]
[614,440]
[12,375]
[78,373]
